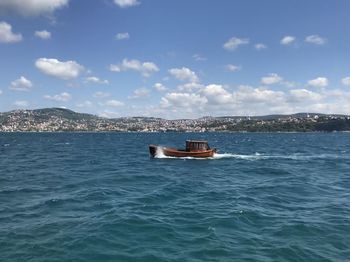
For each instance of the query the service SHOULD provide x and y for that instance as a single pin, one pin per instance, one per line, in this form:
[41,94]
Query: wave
[258,156]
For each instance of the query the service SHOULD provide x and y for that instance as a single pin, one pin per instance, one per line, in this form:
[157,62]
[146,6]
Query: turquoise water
[99,197]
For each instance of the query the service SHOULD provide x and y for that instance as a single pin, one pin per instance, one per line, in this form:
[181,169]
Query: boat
[194,148]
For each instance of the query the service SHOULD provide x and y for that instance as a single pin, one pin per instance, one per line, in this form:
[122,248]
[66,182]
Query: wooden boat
[194,148]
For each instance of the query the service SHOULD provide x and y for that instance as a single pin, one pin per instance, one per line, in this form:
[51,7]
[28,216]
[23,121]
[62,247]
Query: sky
[176,58]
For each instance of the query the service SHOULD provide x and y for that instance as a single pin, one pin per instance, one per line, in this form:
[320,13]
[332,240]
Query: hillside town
[60,120]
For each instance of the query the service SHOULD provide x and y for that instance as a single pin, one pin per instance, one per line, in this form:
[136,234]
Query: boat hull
[173,152]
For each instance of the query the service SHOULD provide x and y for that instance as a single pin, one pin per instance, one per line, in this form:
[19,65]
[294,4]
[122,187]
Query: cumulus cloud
[100,94]
[145,68]
[114,103]
[21,84]
[183,100]
[126,3]
[45,35]
[64,70]
[315,39]
[115,68]
[31,7]
[248,94]
[216,98]
[6,34]
[271,79]
[233,43]
[184,74]
[21,103]
[122,36]
[233,68]
[318,82]
[304,95]
[140,92]
[96,80]
[216,94]
[287,40]
[63,97]
[260,46]
[346,80]
[160,87]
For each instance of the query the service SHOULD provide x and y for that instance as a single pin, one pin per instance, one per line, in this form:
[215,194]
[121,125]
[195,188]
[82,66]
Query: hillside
[59,119]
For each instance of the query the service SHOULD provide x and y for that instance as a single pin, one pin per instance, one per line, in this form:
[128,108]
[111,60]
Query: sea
[100,197]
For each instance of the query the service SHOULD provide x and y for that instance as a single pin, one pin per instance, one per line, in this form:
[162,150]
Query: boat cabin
[196,145]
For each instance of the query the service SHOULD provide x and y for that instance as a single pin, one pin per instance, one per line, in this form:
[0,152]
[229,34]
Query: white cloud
[184,74]
[31,7]
[287,40]
[96,80]
[198,57]
[183,100]
[304,95]
[248,94]
[122,36]
[160,87]
[219,100]
[0,92]
[64,70]
[63,97]
[315,39]
[21,103]
[45,35]
[346,80]
[233,43]
[6,34]
[216,94]
[140,92]
[126,3]
[318,82]
[21,84]
[115,68]
[233,68]
[271,79]
[100,94]
[216,98]
[260,46]
[114,103]
[145,68]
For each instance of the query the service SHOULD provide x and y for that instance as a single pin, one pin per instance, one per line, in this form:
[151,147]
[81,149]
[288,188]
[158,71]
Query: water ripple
[99,197]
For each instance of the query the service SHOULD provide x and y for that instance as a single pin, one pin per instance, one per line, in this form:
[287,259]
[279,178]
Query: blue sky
[175,59]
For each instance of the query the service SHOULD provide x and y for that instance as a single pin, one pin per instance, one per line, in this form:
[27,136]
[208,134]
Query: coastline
[64,120]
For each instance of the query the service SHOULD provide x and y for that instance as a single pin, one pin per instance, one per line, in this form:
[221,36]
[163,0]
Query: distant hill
[64,113]
[60,119]
[48,119]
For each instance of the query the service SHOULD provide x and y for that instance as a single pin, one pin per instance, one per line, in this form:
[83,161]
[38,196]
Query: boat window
[195,146]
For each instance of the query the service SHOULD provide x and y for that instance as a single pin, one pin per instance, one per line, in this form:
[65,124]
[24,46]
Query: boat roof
[196,141]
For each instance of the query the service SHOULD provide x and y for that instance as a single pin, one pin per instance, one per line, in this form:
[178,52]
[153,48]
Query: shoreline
[184,132]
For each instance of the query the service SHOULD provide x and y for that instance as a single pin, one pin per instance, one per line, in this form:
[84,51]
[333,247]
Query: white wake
[258,156]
